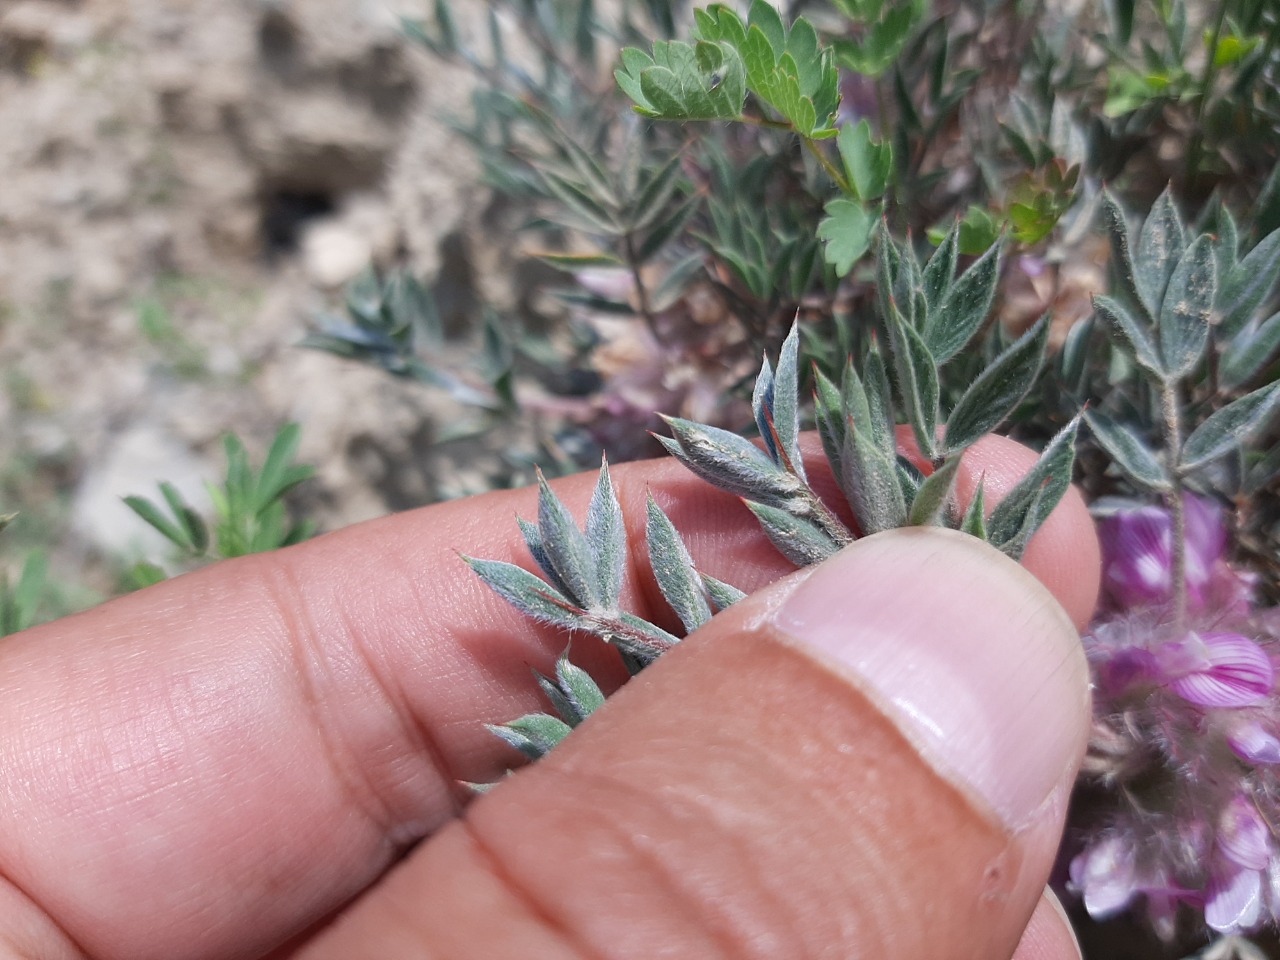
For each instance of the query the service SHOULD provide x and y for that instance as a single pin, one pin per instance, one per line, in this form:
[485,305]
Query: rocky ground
[183,187]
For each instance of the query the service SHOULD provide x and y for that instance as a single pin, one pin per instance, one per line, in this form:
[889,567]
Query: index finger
[207,767]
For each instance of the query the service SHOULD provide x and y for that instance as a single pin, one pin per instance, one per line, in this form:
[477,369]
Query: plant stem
[1173,451]
[642,294]
[840,180]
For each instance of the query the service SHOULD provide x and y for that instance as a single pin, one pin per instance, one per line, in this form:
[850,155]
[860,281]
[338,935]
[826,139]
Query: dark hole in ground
[286,212]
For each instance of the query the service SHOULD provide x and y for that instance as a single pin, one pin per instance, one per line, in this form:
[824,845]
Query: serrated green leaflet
[1229,427]
[868,164]
[999,388]
[673,569]
[846,232]
[1187,308]
[1130,453]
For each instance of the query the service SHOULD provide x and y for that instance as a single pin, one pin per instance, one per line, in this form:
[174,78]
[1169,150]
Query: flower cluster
[1186,731]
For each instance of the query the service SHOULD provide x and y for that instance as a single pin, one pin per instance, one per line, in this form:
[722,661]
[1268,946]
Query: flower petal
[1233,900]
[1251,742]
[1138,547]
[1239,674]
[1243,837]
[1104,875]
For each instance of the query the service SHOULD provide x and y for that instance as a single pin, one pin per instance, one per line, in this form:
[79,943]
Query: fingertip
[1048,935]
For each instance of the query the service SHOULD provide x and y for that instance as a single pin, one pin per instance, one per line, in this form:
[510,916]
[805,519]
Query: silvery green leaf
[1247,286]
[534,734]
[786,401]
[999,388]
[607,540]
[1129,452]
[762,406]
[1188,308]
[1016,544]
[880,422]
[533,540]
[910,479]
[1073,362]
[917,381]
[1160,246]
[909,290]
[974,521]
[1228,247]
[722,594]
[1229,427]
[930,503]
[888,266]
[528,594]
[1019,515]
[673,569]
[572,693]
[870,482]
[799,540]
[567,548]
[830,418]
[1263,472]
[1248,352]
[940,271]
[1133,336]
[730,462]
[1121,258]
[965,307]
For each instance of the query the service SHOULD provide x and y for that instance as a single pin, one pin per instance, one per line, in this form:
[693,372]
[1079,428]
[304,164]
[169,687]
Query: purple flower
[1215,669]
[1249,740]
[1242,853]
[1138,553]
[1105,875]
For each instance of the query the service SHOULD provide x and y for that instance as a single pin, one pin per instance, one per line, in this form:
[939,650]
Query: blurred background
[184,189]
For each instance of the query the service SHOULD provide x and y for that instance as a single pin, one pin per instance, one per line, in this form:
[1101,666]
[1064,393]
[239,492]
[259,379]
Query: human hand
[871,758]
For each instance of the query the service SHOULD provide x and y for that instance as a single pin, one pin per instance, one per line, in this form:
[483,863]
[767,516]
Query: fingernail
[967,652]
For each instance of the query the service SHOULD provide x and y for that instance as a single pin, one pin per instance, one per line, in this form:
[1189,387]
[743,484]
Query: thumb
[870,758]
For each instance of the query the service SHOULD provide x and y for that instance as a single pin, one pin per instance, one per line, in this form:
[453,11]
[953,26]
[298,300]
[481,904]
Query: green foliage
[249,513]
[20,601]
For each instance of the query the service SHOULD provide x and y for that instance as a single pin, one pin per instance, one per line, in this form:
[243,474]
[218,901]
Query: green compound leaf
[999,388]
[799,540]
[1130,453]
[1020,514]
[1188,307]
[1229,427]
[673,569]
[1161,245]
[846,232]
[965,307]
[683,81]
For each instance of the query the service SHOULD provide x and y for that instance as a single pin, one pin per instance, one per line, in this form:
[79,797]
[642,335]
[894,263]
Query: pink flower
[1242,853]
[1215,669]
[1137,547]
[1249,740]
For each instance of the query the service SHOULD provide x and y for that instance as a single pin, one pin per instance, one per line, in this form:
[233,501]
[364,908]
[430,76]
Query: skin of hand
[869,758]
